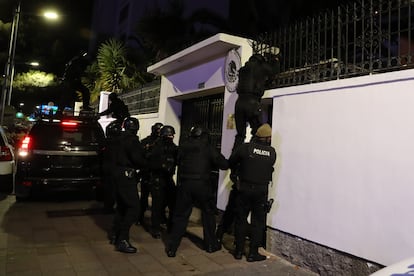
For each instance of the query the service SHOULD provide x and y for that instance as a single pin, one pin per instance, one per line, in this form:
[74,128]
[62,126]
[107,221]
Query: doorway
[206,112]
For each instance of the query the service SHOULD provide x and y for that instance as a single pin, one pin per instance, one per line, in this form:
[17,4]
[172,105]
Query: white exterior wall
[183,82]
[344,174]
[186,82]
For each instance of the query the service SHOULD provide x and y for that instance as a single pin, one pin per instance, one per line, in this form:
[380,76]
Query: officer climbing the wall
[250,89]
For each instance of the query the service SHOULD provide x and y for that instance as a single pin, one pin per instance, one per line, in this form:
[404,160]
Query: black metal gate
[206,112]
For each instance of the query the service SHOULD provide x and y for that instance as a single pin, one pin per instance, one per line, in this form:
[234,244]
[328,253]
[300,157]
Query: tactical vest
[247,81]
[194,160]
[257,166]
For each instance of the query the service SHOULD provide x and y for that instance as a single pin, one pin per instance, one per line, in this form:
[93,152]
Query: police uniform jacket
[254,161]
[253,76]
[118,109]
[149,141]
[197,158]
[112,146]
[147,144]
[163,157]
[131,152]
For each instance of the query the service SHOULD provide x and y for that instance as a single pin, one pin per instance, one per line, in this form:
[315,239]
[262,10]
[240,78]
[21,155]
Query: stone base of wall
[315,257]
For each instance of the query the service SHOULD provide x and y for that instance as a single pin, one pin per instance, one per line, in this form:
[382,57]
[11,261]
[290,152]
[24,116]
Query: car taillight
[27,183]
[5,154]
[25,146]
[69,123]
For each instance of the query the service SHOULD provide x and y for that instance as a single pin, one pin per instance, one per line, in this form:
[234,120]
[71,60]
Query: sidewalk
[69,238]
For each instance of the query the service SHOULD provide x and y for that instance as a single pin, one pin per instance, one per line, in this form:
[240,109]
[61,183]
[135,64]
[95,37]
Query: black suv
[60,155]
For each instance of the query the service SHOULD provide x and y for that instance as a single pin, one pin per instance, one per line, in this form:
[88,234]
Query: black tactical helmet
[156,128]
[113,129]
[167,131]
[197,131]
[112,96]
[131,124]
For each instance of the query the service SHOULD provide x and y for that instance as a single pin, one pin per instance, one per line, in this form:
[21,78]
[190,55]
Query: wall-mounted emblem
[231,70]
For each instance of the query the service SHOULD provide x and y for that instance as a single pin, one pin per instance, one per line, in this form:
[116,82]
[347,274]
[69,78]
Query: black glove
[269,204]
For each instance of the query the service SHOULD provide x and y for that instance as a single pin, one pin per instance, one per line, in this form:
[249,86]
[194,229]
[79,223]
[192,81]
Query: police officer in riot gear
[196,159]
[250,89]
[112,146]
[254,162]
[162,163]
[74,70]
[130,158]
[144,174]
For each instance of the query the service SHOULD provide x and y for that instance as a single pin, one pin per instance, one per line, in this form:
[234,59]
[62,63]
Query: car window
[45,135]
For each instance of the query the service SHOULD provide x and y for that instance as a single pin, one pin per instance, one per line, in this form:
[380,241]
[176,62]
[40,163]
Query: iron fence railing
[143,100]
[365,37]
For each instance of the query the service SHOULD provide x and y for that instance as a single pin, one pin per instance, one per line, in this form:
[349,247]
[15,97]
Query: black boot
[125,247]
[238,254]
[112,237]
[156,234]
[213,247]
[170,252]
[255,257]
[219,234]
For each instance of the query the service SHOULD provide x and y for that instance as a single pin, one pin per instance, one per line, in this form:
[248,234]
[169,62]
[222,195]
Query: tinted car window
[60,156]
[46,135]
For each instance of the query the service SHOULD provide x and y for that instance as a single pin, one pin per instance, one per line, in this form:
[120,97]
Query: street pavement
[69,237]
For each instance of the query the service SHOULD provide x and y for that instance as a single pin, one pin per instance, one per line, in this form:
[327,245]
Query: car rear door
[64,151]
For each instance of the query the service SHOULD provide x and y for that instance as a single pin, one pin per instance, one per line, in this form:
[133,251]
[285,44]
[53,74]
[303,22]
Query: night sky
[70,36]
[52,43]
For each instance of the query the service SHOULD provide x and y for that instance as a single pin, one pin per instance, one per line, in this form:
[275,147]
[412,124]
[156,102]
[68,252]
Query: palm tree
[112,63]
[112,71]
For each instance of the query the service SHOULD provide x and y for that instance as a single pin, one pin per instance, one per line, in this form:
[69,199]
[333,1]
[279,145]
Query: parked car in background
[60,155]
[7,164]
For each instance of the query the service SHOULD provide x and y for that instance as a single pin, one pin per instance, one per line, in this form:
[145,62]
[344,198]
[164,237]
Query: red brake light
[69,123]
[25,146]
[27,183]
[5,154]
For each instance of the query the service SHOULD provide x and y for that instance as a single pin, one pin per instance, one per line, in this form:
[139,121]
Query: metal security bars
[365,37]
[206,112]
[143,100]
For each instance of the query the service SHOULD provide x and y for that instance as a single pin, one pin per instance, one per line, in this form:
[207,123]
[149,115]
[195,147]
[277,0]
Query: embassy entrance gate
[206,112]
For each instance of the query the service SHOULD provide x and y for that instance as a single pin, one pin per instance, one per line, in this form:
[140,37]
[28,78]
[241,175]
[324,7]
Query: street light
[9,68]
[34,63]
[52,15]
